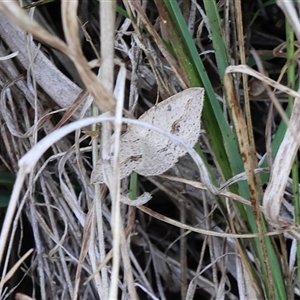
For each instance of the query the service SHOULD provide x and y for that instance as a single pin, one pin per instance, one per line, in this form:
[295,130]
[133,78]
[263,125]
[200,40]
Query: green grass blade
[222,138]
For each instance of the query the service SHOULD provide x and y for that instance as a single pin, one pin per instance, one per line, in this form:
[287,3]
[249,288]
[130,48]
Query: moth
[150,153]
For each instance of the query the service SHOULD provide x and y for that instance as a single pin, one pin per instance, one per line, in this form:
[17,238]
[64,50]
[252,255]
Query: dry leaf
[150,153]
[280,172]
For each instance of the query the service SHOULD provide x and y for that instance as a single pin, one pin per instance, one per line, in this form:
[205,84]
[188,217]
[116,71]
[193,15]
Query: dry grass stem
[100,104]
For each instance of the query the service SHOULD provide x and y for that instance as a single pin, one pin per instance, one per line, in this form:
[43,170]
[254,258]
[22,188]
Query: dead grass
[180,246]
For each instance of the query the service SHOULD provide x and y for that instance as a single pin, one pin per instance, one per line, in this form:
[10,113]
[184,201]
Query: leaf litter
[56,273]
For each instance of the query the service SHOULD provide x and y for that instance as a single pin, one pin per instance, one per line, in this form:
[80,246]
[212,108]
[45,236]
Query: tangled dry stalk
[69,226]
[87,243]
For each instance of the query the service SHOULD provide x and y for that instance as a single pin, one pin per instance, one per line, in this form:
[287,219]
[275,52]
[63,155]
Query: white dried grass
[69,238]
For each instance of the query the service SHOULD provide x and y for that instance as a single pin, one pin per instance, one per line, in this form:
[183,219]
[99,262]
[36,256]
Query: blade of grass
[133,186]
[214,21]
[183,46]
[7,178]
[247,147]
[222,140]
[4,199]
